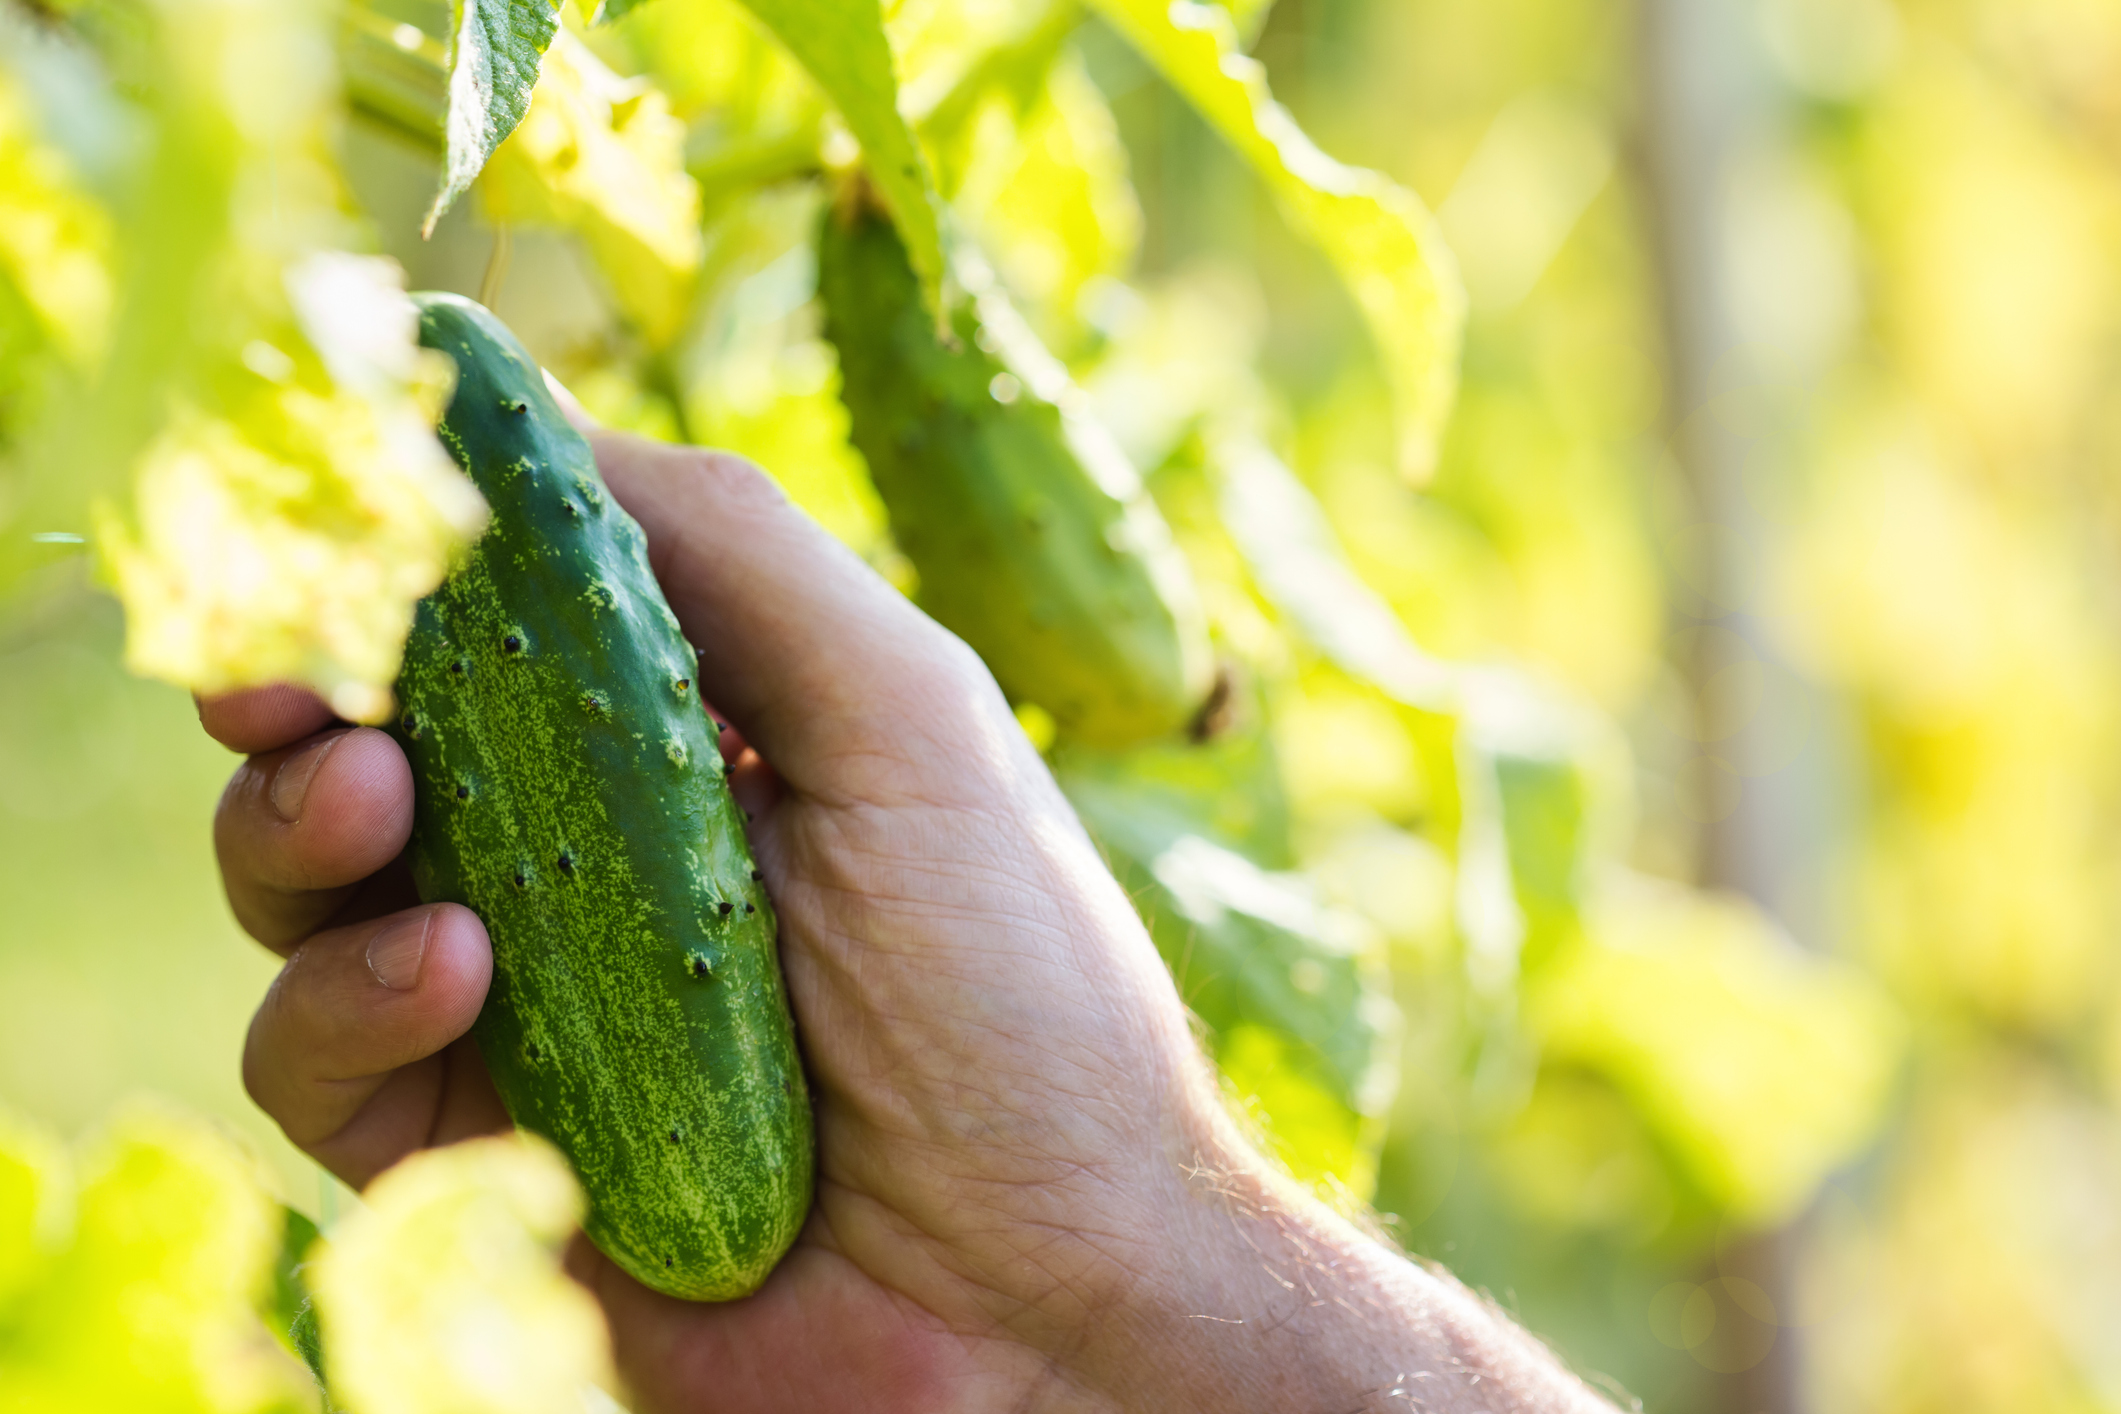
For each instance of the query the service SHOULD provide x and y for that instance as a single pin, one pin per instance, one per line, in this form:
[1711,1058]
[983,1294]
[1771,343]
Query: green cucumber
[1031,533]
[569,791]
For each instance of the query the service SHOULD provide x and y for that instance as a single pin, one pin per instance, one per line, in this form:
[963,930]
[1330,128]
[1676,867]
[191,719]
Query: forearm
[1280,1306]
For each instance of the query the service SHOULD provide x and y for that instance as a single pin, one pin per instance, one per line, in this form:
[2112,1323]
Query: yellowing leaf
[55,243]
[1761,1066]
[493,66]
[604,156]
[444,1294]
[149,1300]
[34,1198]
[1377,235]
[286,535]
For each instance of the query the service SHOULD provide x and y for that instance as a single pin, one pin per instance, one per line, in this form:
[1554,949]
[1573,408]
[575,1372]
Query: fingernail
[395,951]
[291,782]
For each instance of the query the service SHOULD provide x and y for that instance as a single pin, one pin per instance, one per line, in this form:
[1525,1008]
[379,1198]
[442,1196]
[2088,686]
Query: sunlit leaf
[1046,191]
[1514,769]
[55,242]
[1290,991]
[1761,1066]
[603,155]
[725,73]
[35,1204]
[285,534]
[1377,234]
[493,67]
[148,1297]
[1249,16]
[843,45]
[1228,789]
[443,1294]
[787,416]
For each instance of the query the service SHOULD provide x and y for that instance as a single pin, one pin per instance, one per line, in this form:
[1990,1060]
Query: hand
[1029,1197]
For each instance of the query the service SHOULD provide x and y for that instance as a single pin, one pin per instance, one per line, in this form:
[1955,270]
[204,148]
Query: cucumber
[569,791]
[1032,535]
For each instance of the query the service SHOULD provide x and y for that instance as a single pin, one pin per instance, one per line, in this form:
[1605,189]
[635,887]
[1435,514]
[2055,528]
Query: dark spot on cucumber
[673,1136]
[515,405]
[522,879]
[411,724]
[573,512]
[682,685]
[463,791]
[727,907]
[457,667]
[666,1261]
[698,965]
[532,1050]
[750,909]
[596,705]
[566,863]
[756,876]
[511,644]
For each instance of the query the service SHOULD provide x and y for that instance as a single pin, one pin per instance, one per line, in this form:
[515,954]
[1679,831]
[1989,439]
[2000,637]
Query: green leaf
[494,47]
[1291,992]
[1377,234]
[843,45]
[1515,751]
[146,1295]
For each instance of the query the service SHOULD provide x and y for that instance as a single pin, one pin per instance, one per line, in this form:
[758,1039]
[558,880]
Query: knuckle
[733,480]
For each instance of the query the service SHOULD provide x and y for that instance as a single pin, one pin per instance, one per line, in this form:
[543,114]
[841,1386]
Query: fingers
[300,827]
[263,719]
[824,666]
[351,1051]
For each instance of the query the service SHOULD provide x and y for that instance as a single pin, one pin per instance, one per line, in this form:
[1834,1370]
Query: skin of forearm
[1276,1304]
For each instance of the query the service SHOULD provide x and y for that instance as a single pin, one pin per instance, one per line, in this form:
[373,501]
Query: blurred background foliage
[1660,857]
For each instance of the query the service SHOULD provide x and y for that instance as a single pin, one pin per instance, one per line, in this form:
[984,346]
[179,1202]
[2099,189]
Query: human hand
[1028,1195]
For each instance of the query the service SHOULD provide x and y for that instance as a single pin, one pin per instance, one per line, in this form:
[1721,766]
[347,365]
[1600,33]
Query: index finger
[263,718]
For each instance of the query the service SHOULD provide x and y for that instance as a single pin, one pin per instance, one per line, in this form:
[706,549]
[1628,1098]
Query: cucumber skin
[580,761]
[1076,598]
